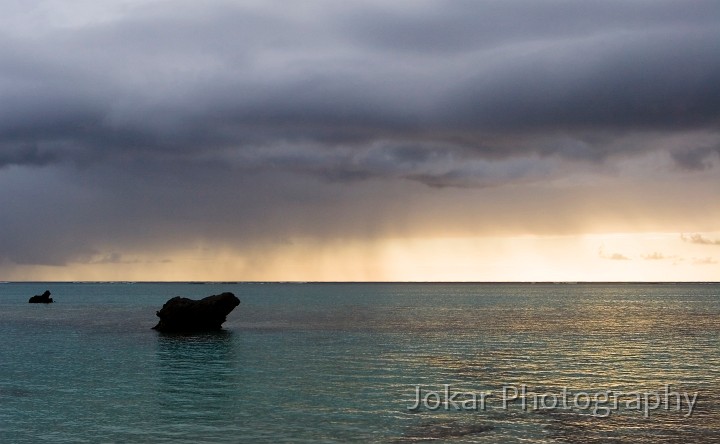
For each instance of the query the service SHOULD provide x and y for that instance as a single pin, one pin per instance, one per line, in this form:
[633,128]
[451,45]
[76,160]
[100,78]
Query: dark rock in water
[41,298]
[189,315]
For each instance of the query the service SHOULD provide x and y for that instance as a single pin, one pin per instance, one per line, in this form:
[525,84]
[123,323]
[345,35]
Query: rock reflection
[198,378]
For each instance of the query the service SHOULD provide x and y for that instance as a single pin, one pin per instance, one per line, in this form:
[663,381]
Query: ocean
[357,362]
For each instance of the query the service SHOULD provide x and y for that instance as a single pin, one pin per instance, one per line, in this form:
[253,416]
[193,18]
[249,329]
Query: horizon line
[231,282]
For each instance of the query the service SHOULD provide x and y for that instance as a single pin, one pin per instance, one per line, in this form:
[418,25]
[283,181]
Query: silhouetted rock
[41,298]
[189,315]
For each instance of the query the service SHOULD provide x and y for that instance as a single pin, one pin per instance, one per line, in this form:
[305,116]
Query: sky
[413,140]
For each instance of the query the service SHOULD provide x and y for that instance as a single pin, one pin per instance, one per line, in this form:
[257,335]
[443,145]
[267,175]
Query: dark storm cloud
[169,118]
[695,159]
[26,155]
[226,75]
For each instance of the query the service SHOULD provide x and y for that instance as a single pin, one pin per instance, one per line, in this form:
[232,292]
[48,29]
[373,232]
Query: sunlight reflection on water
[339,363]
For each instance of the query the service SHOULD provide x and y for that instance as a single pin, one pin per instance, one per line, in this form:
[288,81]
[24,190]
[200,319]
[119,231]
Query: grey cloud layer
[462,94]
[188,79]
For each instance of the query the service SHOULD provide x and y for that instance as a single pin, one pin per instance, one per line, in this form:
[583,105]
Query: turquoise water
[341,362]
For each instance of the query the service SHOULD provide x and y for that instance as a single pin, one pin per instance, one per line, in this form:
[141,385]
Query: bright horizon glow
[622,257]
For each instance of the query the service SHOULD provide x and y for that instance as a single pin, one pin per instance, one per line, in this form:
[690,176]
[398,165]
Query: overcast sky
[328,139]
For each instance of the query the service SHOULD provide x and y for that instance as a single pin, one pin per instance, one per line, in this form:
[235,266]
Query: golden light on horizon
[592,257]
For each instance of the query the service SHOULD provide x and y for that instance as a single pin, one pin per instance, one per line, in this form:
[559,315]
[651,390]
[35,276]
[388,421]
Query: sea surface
[323,363]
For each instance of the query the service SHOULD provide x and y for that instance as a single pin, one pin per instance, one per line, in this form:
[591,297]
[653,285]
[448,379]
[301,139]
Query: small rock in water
[189,315]
[41,298]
